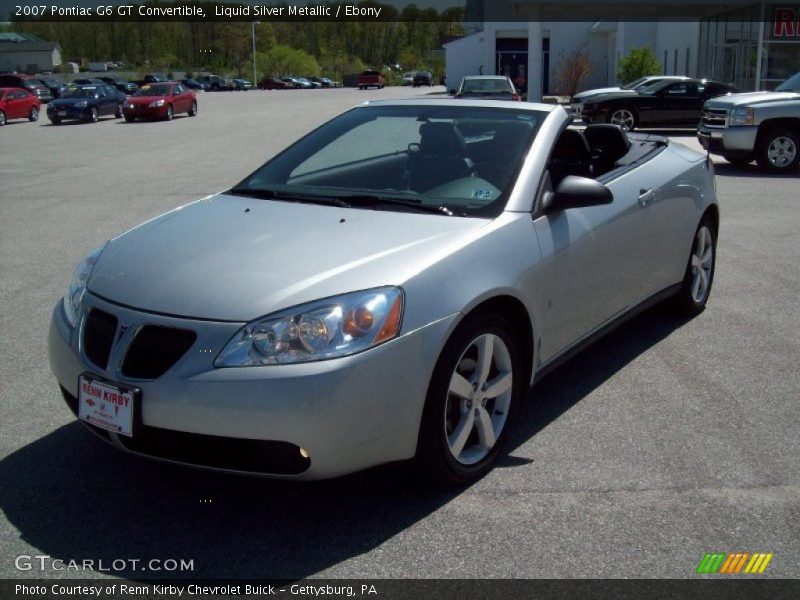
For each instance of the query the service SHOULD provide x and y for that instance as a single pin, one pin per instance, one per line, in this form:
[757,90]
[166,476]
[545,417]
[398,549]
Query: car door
[597,261]
[680,103]
[12,105]
[181,98]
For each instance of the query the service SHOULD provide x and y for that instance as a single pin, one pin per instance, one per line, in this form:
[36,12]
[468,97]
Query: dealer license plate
[105,405]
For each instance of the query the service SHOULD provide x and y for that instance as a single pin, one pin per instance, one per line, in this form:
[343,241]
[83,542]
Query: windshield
[790,85]
[462,158]
[80,93]
[634,84]
[486,86]
[153,90]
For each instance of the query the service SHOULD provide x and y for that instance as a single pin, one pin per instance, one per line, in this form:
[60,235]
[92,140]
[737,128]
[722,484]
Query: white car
[634,86]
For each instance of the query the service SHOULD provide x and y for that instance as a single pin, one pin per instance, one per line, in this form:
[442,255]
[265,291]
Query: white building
[25,53]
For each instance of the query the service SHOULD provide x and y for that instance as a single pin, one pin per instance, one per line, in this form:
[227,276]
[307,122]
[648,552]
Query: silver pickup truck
[760,126]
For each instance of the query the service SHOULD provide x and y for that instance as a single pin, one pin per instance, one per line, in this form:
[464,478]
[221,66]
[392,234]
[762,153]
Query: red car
[273,83]
[16,103]
[160,101]
[371,79]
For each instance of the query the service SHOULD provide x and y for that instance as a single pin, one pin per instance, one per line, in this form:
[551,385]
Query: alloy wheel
[782,151]
[702,264]
[479,398]
[623,118]
[2,118]
[94,115]
[34,116]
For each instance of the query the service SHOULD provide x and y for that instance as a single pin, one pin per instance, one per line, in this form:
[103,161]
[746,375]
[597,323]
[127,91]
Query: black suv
[422,78]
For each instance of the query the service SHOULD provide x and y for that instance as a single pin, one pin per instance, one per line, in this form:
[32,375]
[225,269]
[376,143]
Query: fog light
[304,453]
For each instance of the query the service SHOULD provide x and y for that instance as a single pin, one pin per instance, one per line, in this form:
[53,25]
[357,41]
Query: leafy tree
[639,62]
[284,60]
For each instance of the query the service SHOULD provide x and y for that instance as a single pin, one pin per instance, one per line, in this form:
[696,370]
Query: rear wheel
[2,118]
[193,109]
[696,287]
[33,115]
[476,384]
[625,118]
[118,113]
[778,151]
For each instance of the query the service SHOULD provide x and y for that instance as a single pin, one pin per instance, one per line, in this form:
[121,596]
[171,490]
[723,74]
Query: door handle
[646,196]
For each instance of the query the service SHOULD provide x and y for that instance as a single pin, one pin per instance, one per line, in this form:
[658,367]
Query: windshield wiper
[412,203]
[269,194]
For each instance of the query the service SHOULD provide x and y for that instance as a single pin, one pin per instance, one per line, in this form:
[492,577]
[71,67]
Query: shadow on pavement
[73,497]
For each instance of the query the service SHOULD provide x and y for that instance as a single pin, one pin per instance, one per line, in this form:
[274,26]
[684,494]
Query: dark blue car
[86,103]
[193,84]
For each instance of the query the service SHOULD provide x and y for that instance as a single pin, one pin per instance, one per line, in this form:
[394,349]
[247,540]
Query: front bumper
[348,414]
[67,113]
[736,142]
[145,112]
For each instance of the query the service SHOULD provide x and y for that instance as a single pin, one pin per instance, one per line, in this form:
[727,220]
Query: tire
[214,87]
[93,115]
[170,113]
[2,118]
[33,116]
[193,110]
[699,270]
[55,121]
[442,454]
[623,116]
[129,118]
[118,114]
[778,151]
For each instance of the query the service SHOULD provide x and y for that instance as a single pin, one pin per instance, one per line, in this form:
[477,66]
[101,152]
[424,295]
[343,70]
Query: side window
[179,89]
[677,89]
[22,94]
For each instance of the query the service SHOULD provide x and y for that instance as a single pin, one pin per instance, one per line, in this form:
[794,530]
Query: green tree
[283,60]
[639,62]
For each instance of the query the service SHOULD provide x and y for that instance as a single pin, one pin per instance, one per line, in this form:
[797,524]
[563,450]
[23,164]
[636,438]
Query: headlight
[77,287]
[741,116]
[328,328]
[156,103]
[81,104]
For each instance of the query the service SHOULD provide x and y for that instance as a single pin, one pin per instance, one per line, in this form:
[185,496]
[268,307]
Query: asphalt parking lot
[666,440]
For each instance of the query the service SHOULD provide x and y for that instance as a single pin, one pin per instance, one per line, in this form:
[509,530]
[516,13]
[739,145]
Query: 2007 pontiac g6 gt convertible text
[387,288]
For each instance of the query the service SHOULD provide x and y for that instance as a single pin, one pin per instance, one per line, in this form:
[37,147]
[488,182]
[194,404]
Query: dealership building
[752,45]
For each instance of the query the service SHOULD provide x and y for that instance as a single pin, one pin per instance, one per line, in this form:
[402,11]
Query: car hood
[65,102]
[589,93]
[622,94]
[231,258]
[752,99]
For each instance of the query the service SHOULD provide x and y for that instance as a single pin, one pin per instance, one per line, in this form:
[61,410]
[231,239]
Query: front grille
[238,454]
[715,117]
[154,350]
[98,336]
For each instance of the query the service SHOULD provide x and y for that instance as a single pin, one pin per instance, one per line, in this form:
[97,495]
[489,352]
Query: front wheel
[625,118]
[33,115]
[170,114]
[477,381]
[778,151]
[699,275]
[93,115]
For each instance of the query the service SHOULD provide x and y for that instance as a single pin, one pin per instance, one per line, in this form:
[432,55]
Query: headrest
[441,139]
[572,146]
[607,140]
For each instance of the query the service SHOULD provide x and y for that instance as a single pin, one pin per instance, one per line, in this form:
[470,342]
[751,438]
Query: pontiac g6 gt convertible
[387,288]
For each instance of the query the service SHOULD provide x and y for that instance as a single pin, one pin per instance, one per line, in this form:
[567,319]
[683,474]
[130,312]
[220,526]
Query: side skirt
[603,330]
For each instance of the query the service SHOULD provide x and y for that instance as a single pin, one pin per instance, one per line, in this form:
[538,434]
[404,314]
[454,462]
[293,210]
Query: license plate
[62,113]
[106,406]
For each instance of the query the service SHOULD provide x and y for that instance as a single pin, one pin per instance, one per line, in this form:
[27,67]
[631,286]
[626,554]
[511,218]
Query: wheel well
[786,124]
[713,212]
[515,311]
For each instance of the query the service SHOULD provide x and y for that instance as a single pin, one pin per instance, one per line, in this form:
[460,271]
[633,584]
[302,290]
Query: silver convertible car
[387,288]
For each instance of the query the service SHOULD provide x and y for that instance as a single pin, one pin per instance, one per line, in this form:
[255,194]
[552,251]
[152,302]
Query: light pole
[254,51]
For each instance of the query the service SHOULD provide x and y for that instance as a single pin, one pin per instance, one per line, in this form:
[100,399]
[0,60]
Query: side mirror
[576,192]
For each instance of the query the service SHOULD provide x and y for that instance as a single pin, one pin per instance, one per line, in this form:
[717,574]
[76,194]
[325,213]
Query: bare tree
[572,69]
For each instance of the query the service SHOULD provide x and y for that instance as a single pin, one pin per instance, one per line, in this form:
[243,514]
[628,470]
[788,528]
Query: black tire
[775,159]
[170,113]
[2,118]
[55,121]
[685,301]
[610,117]
[193,110]
[93,115]
[434,459]
[214,87]
[118,114]
[129,118]
[33,115]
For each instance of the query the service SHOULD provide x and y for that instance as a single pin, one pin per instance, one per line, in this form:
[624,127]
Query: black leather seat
[442,157]
[571,156]
[608,143]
